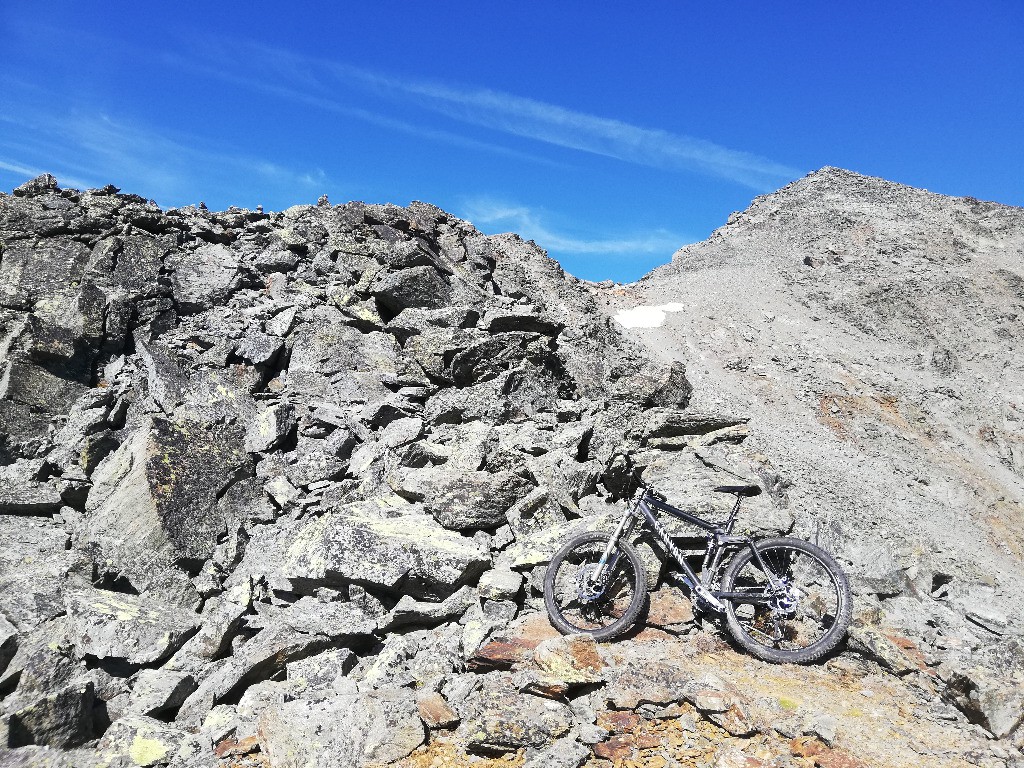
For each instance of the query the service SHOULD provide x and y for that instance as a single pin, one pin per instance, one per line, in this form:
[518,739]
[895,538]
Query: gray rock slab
[154,499]
[203,277]
[264,655]
[410,611]
[141,741]
[336,620]
[159,690]
[322,671]
[20,495]
[269,428]
[140,629]
[358,730]
[465,500]
[423,287]
[408,549]
[58,718]
[34,561]
[499,718]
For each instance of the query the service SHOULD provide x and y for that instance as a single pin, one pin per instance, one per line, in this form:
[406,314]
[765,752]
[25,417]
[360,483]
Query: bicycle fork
[641,511]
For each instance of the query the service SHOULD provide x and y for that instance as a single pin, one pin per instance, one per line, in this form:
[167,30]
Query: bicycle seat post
[733,515]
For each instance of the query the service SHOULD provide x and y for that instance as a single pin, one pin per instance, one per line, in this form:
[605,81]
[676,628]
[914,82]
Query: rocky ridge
[279,489]
[872,332]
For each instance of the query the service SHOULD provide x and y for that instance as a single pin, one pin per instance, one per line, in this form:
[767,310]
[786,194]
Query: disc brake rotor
[588,589]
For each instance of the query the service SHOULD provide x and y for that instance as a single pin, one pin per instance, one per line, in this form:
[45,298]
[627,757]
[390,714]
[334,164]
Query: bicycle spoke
[581,604]
[803,599]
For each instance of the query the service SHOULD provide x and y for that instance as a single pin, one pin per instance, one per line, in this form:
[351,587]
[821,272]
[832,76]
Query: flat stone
[668,607]
[139,629]
[144,741]
[569,660]
[875,645]
[358,730]
[435,711]
[408,550]
[514,645]
[410,611]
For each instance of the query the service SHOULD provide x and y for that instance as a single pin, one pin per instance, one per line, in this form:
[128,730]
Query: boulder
[422,286]
[154,500]
[8,642]
[409,553]
[498,718]
[656,386]
[270,428]
[141,741]
[264,655]
[464,500]
[159,690]
[358,730]
[20,494]
[139,629]
[218,622]
[569,660]
[339,621]
[409,611]
[34,561]
[202,277]
[61,718]
[323,671]
[500,584]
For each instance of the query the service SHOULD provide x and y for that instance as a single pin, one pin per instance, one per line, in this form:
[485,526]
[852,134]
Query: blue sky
[609,134]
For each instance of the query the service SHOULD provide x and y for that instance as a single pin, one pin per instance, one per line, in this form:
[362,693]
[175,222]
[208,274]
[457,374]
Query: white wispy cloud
[597,135]
[301,80]
[91,148]
[316,80]
[533,225]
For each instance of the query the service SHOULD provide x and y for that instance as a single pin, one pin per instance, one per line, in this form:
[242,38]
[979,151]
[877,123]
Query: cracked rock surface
[279,489]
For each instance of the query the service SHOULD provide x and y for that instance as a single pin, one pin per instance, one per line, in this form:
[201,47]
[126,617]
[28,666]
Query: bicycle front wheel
[578,601]
[801,620]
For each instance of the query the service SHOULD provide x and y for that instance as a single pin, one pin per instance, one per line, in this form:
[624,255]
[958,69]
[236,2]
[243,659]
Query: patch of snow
[646,317]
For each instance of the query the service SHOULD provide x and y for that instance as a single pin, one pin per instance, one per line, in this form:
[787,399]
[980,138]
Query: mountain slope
[280,489]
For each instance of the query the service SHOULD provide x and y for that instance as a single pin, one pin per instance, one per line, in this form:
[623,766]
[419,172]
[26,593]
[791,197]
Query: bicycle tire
[822,594]
[623,599]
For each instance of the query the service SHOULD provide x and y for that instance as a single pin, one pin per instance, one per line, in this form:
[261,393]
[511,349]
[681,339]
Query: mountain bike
[784,600]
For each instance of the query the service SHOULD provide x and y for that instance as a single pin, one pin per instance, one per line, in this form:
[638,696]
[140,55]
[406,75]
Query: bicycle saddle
[739,490]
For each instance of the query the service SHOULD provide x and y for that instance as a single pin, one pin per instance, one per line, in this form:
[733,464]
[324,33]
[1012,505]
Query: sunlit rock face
[283,486]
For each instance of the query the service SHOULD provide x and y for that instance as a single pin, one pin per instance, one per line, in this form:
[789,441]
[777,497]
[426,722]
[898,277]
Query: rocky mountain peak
[279,488]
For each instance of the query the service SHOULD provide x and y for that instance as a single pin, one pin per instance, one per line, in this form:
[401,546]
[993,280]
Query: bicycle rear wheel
[803,620]
[577,605]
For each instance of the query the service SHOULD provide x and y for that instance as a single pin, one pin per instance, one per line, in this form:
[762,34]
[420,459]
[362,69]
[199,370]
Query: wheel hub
[785,601]
[589,588]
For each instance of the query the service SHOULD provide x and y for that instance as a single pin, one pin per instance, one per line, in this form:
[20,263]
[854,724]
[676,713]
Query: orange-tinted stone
[616,748]
[617,721]
[231,747]
[435,711]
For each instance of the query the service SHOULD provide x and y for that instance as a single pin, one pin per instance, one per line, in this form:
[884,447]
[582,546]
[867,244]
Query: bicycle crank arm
[709,598]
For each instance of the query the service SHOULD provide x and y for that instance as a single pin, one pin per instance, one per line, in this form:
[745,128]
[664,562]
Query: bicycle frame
[720,539]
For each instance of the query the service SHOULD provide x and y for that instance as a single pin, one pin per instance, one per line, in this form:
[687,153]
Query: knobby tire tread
[813,652]
[631,614]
